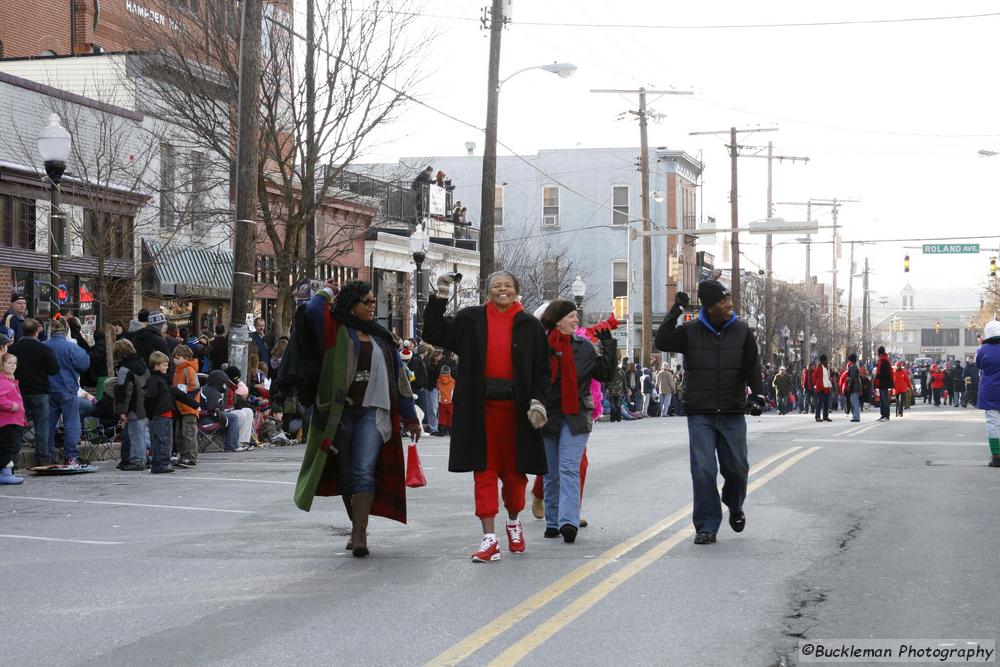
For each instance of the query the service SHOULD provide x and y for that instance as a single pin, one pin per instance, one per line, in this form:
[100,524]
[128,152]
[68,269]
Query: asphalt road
[868,530]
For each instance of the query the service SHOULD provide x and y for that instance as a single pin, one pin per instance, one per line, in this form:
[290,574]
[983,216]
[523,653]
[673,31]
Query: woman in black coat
[502,378]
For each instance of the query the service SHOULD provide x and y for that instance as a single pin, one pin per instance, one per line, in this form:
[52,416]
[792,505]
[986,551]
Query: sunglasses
[367,302]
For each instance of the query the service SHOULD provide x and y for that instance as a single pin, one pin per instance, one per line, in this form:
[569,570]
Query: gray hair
[504,274]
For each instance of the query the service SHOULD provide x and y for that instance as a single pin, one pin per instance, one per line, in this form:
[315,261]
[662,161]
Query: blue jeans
[360,440]
[856,406]
[137,431]
[161,434]
[665,400]
[724,436]
[883,402]
[65,406]
[36,408]
[562,481]
[432,409]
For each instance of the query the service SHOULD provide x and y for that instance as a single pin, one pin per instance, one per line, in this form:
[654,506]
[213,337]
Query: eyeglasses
[367,302]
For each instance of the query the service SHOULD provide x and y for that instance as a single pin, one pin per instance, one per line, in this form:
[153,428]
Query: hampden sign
[950,248]
[151,15]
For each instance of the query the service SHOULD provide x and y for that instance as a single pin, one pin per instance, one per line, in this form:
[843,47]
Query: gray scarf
[377,393]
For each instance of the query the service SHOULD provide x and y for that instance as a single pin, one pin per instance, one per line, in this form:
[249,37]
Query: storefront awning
[176,271]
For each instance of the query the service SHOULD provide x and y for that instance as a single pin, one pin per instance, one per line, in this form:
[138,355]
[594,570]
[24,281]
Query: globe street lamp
[579,290]
[419,242]
[53,146]
[802,346]
[489,184]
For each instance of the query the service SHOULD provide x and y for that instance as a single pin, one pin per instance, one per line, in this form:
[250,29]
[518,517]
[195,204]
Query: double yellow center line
[588,599]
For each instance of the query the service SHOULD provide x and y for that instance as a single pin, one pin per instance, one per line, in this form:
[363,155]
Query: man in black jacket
[720,362]
[883,375]
[35,363]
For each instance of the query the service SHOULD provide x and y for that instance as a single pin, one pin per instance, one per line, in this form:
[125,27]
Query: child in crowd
[130,405]
[11,419]
[160,410]
[446,388]
[160,398]
[186,381]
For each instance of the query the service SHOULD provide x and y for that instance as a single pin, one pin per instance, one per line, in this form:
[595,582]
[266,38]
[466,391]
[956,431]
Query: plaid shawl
[320,472]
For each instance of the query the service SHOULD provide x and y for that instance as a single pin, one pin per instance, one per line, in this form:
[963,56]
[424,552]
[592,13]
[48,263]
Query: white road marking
[238,479]
[108,502]
[56,539]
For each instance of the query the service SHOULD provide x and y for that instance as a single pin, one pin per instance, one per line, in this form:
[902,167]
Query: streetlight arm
[562,69]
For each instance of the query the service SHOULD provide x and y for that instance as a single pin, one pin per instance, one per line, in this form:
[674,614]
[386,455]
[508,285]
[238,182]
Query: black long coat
[465,335]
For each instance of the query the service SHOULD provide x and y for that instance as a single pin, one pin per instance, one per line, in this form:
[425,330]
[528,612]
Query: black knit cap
[711,292]
[233,372]
[558,309]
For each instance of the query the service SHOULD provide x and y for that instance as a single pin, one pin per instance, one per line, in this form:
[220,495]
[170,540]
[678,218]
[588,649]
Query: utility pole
[309,177]
[769,325]
[850,298]
[647,251]
[496,21]
[835,308]
[866,319]
[247,161]
[734,207]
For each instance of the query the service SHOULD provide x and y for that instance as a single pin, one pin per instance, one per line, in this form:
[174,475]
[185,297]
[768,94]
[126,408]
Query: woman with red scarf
[574,362]
[502,377]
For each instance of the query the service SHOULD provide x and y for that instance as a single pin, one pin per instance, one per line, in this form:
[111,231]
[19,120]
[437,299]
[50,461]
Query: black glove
[682,298]
[604,335]
[755,405]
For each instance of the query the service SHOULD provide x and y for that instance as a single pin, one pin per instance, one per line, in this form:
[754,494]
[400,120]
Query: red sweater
[499,341]
[818,379]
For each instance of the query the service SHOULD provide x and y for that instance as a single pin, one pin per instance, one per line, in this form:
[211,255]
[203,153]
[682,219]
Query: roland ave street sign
[950,248]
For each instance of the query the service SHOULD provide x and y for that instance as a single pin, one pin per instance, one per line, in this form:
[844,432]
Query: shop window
[17,222]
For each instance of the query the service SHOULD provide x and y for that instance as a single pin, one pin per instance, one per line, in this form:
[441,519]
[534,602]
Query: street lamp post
[419,242]
[802,347]
[488,196]
[579,290]
[53,146]
[785,335]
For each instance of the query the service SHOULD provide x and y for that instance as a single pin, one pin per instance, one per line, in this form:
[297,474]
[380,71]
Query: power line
[717,26]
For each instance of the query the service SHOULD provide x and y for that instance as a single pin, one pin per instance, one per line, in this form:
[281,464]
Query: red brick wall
[6,287]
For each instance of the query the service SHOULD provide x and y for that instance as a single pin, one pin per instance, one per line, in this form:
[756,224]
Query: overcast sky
[891,114]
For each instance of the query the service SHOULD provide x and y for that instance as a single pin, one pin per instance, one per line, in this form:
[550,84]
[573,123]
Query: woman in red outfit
[501,381]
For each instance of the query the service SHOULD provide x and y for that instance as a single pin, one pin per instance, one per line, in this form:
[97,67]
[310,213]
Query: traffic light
[993,267]
[906,264]
[937,327]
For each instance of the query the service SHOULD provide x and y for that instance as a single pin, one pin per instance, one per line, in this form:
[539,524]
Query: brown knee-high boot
[361,505]
[347,505]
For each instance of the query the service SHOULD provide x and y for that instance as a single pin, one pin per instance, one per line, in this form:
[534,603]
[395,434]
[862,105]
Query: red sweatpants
[536,488]
[487,500]
[444,415]
[501,463]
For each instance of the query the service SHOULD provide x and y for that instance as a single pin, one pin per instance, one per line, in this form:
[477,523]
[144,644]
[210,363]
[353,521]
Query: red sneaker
[489,550]
[515,538]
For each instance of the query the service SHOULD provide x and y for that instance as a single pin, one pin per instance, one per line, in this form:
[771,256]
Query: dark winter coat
[130,387]
[883,374]
[597,363]
[465,335]
[719,364]
[416,365]
[35,363]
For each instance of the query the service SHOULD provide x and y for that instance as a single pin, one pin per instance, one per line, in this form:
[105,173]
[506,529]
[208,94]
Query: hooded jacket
[72,360]
[130,387]
[11,403]
[988,363]
[186,373]
[36,365]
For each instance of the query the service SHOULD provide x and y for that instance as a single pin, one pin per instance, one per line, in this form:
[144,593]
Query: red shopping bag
[414,471]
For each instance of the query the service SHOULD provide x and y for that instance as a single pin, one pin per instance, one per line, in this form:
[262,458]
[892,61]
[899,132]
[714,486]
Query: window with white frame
[619,202]
[550,206]
[619,278]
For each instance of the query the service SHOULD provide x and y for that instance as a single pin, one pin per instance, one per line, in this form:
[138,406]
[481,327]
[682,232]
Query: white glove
[536,414]
[444,283]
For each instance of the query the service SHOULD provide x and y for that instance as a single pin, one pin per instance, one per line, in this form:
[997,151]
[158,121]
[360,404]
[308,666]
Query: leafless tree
[316,112]
[544,267]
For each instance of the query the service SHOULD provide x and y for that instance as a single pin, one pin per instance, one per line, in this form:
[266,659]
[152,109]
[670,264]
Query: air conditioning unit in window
[550,221]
